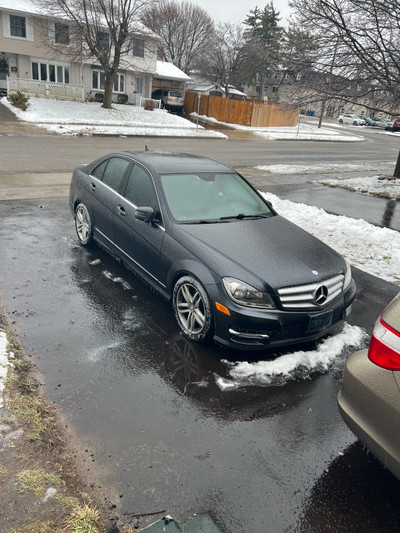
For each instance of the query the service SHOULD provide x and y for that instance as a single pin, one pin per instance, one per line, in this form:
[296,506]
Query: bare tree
[184,28]
[359,41]
[101,30]
[225,58]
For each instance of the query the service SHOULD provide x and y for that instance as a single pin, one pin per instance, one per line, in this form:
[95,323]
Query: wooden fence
[245,112]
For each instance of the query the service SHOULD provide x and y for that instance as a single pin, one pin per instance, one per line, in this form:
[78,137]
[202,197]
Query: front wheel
[340,121]
[192,309]
[83,225]
[355,123]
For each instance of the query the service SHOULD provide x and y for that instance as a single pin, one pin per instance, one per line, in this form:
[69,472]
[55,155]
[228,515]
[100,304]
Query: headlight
[347,277]
[245,294]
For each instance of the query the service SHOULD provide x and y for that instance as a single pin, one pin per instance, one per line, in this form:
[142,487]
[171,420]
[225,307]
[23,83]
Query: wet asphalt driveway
[155,431]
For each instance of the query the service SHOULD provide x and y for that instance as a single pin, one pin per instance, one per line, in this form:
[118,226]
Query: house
[38,57]
[216,90]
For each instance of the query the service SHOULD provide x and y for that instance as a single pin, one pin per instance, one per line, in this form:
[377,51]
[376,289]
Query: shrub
[19,100]
[122,98]
[99,97]
[149,105]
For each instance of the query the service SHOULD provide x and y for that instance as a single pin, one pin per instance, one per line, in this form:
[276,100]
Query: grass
[37,481]
[83,520]
[36,416]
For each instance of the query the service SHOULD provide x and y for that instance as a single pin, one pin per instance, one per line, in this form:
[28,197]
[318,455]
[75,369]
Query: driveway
[154,429]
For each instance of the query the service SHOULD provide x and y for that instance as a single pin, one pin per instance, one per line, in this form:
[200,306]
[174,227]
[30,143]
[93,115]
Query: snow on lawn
[79,118]
[369,248]
[308,132]
[372,185]
[296,365]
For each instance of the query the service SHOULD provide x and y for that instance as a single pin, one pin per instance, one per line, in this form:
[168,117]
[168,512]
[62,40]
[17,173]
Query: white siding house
[27,64]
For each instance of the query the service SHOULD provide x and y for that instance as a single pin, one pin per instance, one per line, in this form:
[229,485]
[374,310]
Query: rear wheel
[192,309]
[83,225]
[341,121]
[355,123]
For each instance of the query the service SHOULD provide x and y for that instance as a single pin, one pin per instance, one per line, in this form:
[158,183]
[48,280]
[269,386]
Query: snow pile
[369,185]
[88,118]
[372,249]
[325,168]
[292,365]
[4,364]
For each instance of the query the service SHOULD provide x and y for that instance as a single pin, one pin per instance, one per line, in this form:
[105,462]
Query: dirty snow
[4,364]
[293,365]
[370,248]
[78,118]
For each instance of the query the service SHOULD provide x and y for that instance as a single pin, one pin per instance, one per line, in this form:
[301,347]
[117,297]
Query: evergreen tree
[264,35]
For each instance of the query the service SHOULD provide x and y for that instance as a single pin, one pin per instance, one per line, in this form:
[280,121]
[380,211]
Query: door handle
[93,186]
[121,210]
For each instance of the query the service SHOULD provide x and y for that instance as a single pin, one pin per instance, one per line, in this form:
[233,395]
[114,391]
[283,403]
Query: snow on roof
[25,6]
[235,91]
[169,71]
[29,6]
[204,88]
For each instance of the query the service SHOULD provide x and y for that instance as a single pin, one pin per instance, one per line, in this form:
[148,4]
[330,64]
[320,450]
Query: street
[152,429]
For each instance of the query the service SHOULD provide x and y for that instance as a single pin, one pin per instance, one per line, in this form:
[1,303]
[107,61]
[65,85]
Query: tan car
[369,400]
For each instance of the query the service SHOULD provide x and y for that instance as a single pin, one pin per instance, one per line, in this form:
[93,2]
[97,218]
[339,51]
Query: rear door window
[114,172]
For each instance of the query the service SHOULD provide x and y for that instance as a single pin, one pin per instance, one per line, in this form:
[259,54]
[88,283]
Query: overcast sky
[236,11]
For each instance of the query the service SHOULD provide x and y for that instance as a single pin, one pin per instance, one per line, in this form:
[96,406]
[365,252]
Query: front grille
[313,295]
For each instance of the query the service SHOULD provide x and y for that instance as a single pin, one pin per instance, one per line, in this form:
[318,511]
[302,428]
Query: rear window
[175,94]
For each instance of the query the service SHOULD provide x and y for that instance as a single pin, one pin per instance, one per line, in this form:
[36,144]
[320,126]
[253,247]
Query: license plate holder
[320,321]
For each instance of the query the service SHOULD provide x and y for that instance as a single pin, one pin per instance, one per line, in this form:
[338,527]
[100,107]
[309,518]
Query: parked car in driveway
[348,118]
[198,232]
[369,399]
[172,100]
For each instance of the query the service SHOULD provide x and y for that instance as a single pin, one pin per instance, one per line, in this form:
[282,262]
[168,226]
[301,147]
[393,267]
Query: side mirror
[145,214]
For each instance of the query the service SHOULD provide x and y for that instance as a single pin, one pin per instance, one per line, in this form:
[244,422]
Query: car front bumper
[369,404]
[249,328]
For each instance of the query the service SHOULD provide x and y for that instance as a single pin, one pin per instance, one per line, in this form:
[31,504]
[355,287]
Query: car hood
[267,253]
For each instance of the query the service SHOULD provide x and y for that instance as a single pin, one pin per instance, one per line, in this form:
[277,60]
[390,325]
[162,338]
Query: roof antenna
[145,148]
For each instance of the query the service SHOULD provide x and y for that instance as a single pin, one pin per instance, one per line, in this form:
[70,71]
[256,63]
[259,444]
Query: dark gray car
[369,399]
[199,233]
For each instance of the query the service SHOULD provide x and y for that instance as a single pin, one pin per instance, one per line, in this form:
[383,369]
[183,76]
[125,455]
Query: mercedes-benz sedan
[194,229]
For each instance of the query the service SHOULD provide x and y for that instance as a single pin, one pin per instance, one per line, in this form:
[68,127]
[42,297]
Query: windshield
[208,196]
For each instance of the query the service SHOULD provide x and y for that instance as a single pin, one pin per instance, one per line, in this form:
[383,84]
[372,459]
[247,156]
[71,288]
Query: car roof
[174,162]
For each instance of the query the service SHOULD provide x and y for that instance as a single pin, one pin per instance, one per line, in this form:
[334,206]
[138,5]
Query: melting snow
[292,365]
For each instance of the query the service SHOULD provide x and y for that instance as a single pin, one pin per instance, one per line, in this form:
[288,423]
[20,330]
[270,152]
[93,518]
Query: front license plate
[321,321]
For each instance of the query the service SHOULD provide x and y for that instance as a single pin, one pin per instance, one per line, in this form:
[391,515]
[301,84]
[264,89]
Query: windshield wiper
[240,216]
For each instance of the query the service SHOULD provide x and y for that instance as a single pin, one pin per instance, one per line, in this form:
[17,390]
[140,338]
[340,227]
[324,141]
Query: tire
[340,121]
[83,225]
[355,123]
[192,309]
